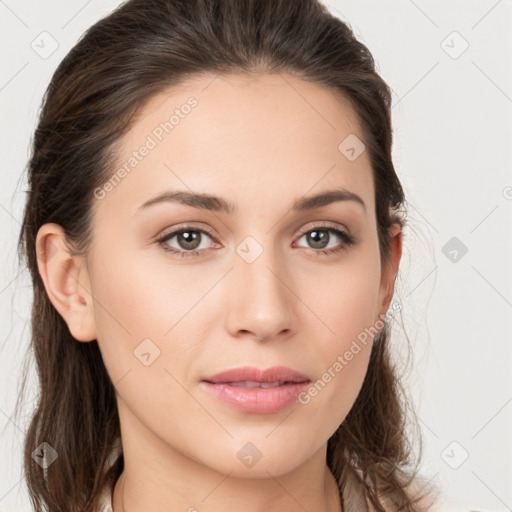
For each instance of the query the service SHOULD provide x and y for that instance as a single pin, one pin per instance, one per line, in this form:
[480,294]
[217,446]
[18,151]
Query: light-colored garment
[105,504]
[105,500]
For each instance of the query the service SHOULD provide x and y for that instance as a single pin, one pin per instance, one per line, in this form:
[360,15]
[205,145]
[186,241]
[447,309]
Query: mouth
[257,391]
[256,384]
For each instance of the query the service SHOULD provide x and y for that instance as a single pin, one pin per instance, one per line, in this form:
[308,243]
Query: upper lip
[251,373]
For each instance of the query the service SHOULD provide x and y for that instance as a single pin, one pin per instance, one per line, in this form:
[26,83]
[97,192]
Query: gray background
[452,123]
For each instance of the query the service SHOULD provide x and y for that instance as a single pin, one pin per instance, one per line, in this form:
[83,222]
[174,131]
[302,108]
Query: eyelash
[348,240]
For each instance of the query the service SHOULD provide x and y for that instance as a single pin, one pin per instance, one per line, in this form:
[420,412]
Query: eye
[320,237]
[188,239]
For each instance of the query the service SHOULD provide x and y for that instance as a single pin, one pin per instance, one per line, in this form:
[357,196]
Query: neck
[329,502]
[160,477]
[149,483]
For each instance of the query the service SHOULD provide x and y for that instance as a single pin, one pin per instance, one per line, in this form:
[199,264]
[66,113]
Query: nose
[261,299]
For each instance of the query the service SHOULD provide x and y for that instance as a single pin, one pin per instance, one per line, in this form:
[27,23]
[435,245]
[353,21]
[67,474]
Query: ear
[390,269]
[66,280]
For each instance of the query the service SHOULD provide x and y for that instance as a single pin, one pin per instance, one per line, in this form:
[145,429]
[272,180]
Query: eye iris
[189,239]
[318,236]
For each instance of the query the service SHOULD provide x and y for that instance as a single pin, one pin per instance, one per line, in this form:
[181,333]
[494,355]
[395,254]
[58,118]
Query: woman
[213,229]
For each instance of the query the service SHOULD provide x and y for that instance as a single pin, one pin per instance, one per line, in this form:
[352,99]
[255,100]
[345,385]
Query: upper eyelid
[184,227]
[324,225]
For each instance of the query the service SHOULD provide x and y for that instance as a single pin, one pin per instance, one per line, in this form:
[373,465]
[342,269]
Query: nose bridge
[260,299]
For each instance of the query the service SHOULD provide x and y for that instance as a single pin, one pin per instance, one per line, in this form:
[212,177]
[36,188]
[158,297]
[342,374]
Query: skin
[260,141]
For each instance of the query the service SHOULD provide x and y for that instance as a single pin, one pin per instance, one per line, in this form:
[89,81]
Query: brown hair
[140,49]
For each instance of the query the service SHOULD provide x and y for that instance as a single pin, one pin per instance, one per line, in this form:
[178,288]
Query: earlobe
[66,280]
[390,271]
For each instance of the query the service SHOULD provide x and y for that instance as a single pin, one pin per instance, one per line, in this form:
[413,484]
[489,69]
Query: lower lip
[257,400]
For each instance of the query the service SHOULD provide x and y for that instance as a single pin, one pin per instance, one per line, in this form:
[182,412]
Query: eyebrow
[218,204]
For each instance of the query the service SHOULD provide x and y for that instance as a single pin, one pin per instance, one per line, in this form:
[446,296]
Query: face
[182,289]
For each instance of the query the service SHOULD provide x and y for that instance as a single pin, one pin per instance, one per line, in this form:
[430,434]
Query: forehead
[241,136]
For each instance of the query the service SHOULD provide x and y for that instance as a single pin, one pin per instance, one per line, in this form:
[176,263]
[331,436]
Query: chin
[260,459]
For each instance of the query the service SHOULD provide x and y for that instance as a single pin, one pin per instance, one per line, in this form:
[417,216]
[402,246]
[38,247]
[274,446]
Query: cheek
[146,299]
[347,304]
[343,366]
[151,321]
[346,297]
[134,303]
[141,327]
